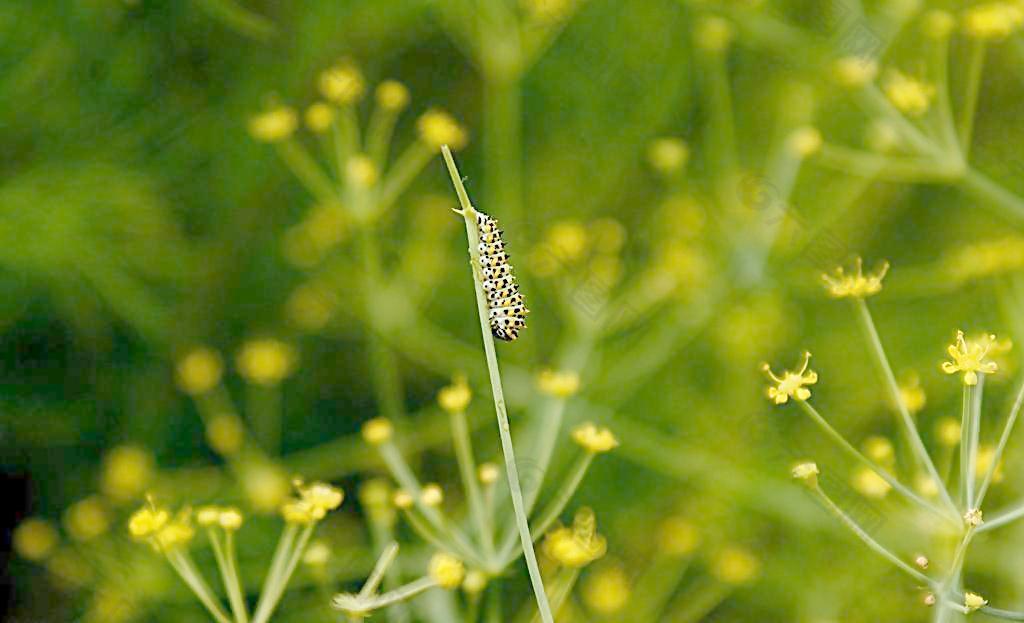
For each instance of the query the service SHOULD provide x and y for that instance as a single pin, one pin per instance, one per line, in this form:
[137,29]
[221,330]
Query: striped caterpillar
[506,311]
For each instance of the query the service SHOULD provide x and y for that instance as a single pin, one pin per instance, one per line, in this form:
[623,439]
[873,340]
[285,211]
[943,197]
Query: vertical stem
[975,64]
[235,590]
[965,446]
[972,470]
[909,428]
[183,565]
[502,142]
[263,406]
[1005,437]
[469,214]
[467,469]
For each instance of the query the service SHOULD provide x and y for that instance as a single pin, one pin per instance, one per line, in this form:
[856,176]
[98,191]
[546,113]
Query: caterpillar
[506,310]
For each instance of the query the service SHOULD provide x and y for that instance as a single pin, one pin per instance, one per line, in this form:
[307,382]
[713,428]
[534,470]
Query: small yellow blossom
[111,604]
[968,356]
[881,135]
[230,519]
[311,306]
[343,83]
[947,431]
[274,125]
[147,521]
[176,533]
[807,472]
[319,117]
[938,24]
[475,582]
[322,496]
[300,512]
[432,495]
[926,485]
[735,565]
[594,439]
[912,394]
[607,235]
[713,34]
[985,258]
[199,371]
[488,473]
[577,546]
[855,284]
[805,141]
[35,539]
[994,20]
[854,71]
[866,481]
[879,449]
[377,431]
[677,536]
[392,95]
[127,472]
[446,570]
[317,554]
[437,128]
[791,384]
[402,499]
[266,486]
[567,241]
[360,171]
[909,95]
[607,590]
[375,497]
[558,383]
[225,433]
[266,361]
[974,601]
[455,398]
[668,155]
[207,516]
[87,519]
[974,517]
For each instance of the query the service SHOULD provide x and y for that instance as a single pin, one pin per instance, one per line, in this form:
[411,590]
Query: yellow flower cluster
[199,370]
[227,518]
[576,546]
[594,439]
[668,155]
[377,431]
[970,356]
[155,525]
[274,125]
[854,71]
[558,384]
[994,20]
[266,361]
[791,384]
[855,284]
[437,128]
[127,472]
[735,565]
[313,502]
[446,570]
[909,95]
[983,259]
[455,398]
[343,83]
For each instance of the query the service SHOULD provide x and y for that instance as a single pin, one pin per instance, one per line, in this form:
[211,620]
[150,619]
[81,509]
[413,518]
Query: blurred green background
[140,217]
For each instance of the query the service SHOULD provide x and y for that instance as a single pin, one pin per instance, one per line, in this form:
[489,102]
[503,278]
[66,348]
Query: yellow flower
[437,128]
[319,117]
[360,171]
[869,483]
[432,495]
[199,370]
[343,83]
[321,496]
[265,485]
[974,601]
[225,433]
[855,284]
[880,450]
[807,472]
[207,516]
[446,570]
[558,384]
[677,536]
[735,565]
[567,240]
[577,546]
[607,590]
[266,361]
[994,20]
[791,384]
[402,499]
[35,539]
[714,34]
[377,431]
[300,512]
[317,554]
[973,517]
[87,519]
[947,431]
[668,155]
[986,258]
[147,521]
[547,11]
[455,398]
[311,306]
[805,141]
[488,473]
[854,71]
[392,95]
[230,519]
[177,533]
[127,471]
[912,394]
[969,357]
[375,497]
[925,485]
[594,439]
[274,125]
[909,95]
[475,582]
[938,24]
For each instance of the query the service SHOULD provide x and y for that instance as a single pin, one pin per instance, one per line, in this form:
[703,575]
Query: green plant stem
[1011,420]
[913,437]
[470,483]
[975,441]
[975,66]
[657,583]
[187,571]
[982,187]
[721,137]
[230,581]
[515,490]
[280,558]
[502,142]
[379,131]
[402,593]
[965,447]
[834,435]
[306,169]
[263,407]
[236,593]
[699,601]
[401,174]
[943,109]
[871,542]
[379,570]
[268,602]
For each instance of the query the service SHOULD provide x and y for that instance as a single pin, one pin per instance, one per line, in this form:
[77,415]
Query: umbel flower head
[313,502]
[791,384]
[593,438]
[576,546]
[969,357]
[855,284]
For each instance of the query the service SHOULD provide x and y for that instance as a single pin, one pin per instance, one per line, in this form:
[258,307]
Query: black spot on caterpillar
[506,310]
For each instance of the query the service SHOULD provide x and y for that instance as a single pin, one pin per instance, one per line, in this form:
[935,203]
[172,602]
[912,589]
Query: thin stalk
[868,540]
[378,135]
[469,215]
[921,455]
[402,593]
[701,601]
[657,584]
[965,446]
[975,441]
[467,469]
[438,537]
[230,582]
[236,594]
[186,570]
[855,454]
[263,407]
[1000,519]
[722,138]
[379,570]
[269,602]
[975,66]
[346,138]
[402,173]
[943,109]
[281,553]
[981,186]
[306,169]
